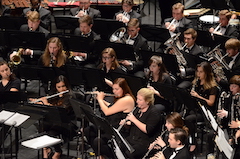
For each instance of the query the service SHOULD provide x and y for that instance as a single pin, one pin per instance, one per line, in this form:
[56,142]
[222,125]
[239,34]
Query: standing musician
[31,56]
[124,103]
[158,73]
[85,30]
[177,149]
[45,15]
[205,88]
[63,100]
[53,56]
[128,13]
[8,80]
[224,28]
[229,108]
[178,20]
[144,123]
[85,9]
[173,120]
[139,43]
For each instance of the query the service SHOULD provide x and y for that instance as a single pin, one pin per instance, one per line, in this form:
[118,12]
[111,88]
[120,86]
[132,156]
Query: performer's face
[117,90]
[231,52]
[53,48]
[200,73]
[33,24]
[168,125]
[126,8]
[84,4]
[132,31]
[5,71]
[234,88]
[173,143]
[61,87]
[223,20]
[141,102]
[189,40]
[177,14]
[85,28]
[154,68]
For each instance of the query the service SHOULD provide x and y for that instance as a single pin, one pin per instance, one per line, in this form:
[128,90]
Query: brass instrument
[154,144]
[217,55]
[174,43]
[17,59]
[216,29]
[118,35]
[51,96]
[172,22]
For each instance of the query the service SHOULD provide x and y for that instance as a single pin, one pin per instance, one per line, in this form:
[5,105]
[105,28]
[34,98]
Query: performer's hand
[80,14]
[79,54]
[28,52]
[211,30]
[160,141]
[234,124]
[194,93]
[222,113]
[100,95]
[119,17]
[131,117]
[125,62]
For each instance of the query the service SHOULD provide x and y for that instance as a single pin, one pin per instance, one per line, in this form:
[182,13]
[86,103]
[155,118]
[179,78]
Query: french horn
[118,35]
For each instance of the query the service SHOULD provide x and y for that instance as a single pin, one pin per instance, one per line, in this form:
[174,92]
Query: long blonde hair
[61,56]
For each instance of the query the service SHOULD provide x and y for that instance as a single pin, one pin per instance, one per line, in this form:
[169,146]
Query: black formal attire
[15,83]
[183,23]
[195,115]
[92,56]
[231,31]
[45,15]
[140,140]
[132,14]
[180,153]
[93,13]
[166,8]
[4,11]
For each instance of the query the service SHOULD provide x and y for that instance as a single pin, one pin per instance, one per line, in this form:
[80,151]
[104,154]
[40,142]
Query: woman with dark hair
[59,85]
[53,56]
[124,103]
[205,88]
[8,80]
[158,73]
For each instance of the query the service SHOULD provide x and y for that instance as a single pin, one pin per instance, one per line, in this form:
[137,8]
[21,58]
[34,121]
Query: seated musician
[229,109]
[8,80]
[178,20]
[4,10]
[124,103]
[45,15]
[30,55]
[144,123]
[85,9]
[178,149]
[139,43]
[63,100]
[158,73]
[127,12]
[85,30]
[224,28]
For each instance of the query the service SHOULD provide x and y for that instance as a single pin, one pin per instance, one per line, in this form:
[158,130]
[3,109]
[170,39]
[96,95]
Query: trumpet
[120,127]
[106,94]
[172,22]
[17,59]
[51,96]
[154,144]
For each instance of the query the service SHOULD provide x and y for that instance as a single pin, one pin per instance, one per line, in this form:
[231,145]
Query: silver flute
[94,93]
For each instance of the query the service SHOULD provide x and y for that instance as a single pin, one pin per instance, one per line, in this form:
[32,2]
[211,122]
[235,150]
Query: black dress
[15,83]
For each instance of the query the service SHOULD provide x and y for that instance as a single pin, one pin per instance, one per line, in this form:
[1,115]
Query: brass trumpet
[17,59]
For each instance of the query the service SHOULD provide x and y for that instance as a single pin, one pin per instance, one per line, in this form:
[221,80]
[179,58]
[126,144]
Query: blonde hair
[147,94]
[110,51]
[232,44]
[33,16]
[133,23]
[226,13]
[61,56]
[178,6]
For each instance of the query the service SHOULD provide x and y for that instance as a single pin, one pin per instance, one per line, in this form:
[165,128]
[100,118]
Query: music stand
[204,38]
[13,97]
[66,22]
[123,51]
[12,22]
[27,39]
[214,4]
[106,27]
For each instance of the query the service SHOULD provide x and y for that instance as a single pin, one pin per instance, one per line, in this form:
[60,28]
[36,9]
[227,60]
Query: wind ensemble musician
[85,9]
[124,103]
[127,12]
[205,88]
[173,120]
[144,123]
[45,15]
[224,28]
[229,114]
[60,84]
[178,20]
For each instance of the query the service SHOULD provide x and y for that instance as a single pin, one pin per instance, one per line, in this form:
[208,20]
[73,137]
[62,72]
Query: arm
[209,101]
[139,124]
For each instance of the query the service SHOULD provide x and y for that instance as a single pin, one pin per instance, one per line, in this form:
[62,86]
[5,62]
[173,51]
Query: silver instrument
[154,144]
[217,55]
[106,94]
[216,29]
[221,102]
[51,96]
[172,22]
[118,35]
[120,127]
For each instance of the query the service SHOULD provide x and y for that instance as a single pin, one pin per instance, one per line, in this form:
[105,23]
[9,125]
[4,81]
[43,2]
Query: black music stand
[123,51]
[66,22]
[27,39]
[204,38]
[74,75]
[106,27]
[135,83]
[12,22]
[13,97]
[214,4]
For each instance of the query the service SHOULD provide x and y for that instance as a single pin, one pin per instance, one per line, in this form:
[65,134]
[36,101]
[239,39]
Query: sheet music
[41,142]
[4,115]
[117,150]
[16,119]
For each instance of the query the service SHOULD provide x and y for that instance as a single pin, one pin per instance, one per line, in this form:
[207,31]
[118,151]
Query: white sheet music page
[17,119]
[4,115]
[41,142]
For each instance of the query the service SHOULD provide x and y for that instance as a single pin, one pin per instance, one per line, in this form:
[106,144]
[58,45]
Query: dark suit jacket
[183,23]
[181,154]
[24,27]
[4,11]
[93,13]
[45,16]
[232,31]
[133,14]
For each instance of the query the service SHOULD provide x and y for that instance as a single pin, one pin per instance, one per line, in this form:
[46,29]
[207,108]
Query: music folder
[12,118]
[66,22]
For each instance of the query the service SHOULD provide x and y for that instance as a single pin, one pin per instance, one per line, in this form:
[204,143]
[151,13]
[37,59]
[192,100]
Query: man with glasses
[85,9]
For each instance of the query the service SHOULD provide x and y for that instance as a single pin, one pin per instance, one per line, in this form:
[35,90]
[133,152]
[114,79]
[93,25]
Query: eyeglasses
[106,58]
